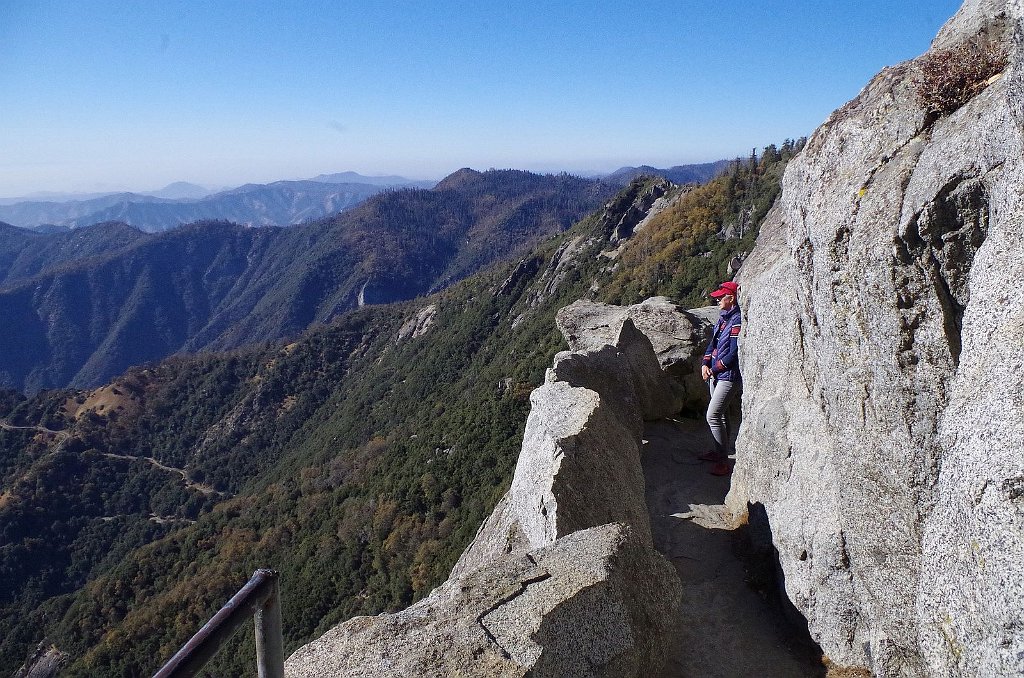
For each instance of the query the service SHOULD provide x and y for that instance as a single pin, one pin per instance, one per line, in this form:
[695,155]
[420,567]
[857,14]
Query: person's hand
[705,372]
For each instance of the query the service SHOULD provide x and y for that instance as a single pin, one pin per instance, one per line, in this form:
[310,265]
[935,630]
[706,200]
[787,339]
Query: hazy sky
[134,95]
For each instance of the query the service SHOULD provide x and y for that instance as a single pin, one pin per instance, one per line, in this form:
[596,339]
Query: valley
[94,301]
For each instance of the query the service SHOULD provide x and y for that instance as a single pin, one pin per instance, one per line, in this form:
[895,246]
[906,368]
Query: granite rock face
[589,604]
[678,337]
[419,324]
[884,370]
[46,662]
[561,580]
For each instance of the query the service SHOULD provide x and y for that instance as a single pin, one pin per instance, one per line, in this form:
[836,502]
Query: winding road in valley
[63,436]
[189,483]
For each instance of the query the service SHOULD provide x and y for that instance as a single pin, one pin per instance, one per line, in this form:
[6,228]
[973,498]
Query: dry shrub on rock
[949,78]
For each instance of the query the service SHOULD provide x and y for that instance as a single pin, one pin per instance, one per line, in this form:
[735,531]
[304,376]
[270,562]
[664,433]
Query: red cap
[728,287]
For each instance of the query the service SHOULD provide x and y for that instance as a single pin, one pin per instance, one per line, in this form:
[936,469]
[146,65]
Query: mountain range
[280,203]
[85,304]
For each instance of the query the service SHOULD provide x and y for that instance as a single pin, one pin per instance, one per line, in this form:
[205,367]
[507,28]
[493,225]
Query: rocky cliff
[561,580]
[883,364]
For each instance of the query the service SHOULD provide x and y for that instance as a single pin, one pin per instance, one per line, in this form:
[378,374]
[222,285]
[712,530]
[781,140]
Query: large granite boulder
[579,466]
[882,358]
[561,579]
[678,337]
[590,604]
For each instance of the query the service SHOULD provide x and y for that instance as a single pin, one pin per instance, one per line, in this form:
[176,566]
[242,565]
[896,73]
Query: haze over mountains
[176,190]
[279,203]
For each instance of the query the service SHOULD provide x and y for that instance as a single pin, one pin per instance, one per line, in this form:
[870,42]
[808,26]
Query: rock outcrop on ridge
[561,580]
[884,369]
[678,337]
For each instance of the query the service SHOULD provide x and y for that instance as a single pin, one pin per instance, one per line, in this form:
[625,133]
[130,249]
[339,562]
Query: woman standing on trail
[721,370]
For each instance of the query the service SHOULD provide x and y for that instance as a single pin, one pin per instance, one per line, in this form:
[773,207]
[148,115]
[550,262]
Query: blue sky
[135,95]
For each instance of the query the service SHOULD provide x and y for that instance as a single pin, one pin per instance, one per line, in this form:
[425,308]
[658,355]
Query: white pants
[720,392]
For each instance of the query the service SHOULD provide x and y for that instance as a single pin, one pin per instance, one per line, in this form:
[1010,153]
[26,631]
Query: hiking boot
[722,468]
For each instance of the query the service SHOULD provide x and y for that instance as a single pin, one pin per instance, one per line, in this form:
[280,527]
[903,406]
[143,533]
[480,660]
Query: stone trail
[724,627]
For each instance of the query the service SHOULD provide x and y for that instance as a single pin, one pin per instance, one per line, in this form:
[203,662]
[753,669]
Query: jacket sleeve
[728,353]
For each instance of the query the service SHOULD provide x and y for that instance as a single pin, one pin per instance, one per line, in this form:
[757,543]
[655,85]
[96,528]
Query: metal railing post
[269,637]
[259,598]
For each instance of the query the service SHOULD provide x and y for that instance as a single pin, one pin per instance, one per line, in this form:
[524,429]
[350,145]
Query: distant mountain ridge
[56,196]
[279,203]
[679,174]
[356,178]
[31,214]
[86,304]
[181,190]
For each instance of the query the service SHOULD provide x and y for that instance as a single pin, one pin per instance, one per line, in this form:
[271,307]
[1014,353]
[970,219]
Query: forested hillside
[87,304]
[358,459]
[24,253]
[688,246]
[679,174]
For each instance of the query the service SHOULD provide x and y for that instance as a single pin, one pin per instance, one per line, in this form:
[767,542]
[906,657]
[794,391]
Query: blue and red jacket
[723,356]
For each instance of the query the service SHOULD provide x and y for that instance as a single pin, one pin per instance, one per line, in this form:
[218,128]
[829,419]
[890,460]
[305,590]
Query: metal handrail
[261,598]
